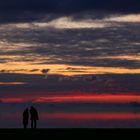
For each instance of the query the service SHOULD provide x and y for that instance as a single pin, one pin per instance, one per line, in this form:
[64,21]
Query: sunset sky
[70,51]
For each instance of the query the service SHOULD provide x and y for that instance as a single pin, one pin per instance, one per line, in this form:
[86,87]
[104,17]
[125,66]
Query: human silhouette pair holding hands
[33,117]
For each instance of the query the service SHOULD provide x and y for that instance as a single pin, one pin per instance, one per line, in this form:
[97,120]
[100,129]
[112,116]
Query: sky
[74,41]
[69,51]
[77,61]
[70,4]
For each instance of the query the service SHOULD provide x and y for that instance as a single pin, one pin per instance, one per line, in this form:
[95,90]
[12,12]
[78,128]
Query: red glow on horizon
[90,98]
[90,116]
[75,98]
[79,116]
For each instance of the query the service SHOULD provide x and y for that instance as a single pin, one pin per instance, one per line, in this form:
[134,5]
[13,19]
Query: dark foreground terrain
[68,133]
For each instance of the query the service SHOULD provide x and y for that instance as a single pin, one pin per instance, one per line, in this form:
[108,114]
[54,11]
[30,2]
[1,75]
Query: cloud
[69,23]
[30,11]
[45,72]
[81,39]
[60,23]
[131,18]
[69,5]
[34,70]
[12,83]
[69,85]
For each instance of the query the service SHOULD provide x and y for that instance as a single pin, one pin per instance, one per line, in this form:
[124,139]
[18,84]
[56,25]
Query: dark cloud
[34,70]
[69,5]
[88,47]
[31,10]
[45,71]
[84,84]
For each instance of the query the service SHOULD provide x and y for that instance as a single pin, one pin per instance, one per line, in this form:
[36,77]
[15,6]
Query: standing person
[34,117]
[25,118]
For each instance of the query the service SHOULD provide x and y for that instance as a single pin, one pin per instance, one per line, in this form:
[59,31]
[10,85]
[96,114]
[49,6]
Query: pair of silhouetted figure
[33,117]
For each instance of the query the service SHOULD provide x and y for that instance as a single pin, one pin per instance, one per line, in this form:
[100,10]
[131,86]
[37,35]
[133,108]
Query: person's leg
[35,123]
[25,126]
[32,123]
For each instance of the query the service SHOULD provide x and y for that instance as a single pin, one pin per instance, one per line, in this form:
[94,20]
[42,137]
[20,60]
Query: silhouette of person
[34,117]
[25,118]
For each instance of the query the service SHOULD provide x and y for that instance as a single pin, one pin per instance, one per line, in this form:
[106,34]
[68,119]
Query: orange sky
[26,68]
[12,83]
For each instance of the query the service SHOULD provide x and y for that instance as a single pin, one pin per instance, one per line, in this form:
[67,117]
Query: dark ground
[69,133]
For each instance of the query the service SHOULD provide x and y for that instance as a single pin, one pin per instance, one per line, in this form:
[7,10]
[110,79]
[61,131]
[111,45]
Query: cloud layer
[110,41]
